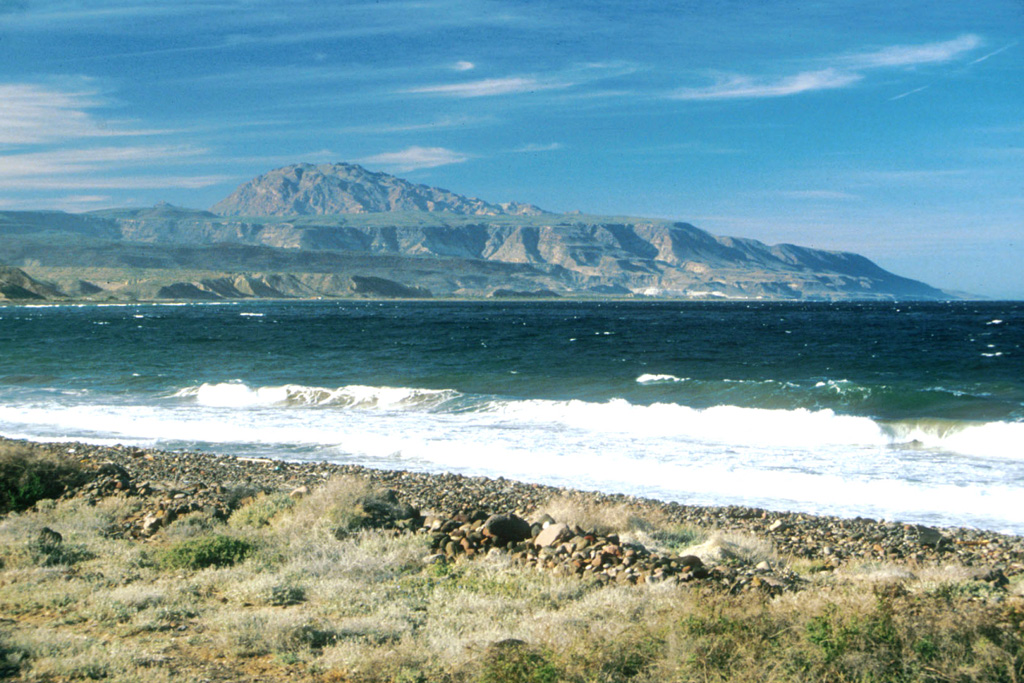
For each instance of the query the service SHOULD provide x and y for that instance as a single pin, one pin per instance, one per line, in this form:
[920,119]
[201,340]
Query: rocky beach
[456,508]
[129,564]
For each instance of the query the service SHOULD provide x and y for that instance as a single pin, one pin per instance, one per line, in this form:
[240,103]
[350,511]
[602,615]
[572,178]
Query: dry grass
[315,604]
[650,528]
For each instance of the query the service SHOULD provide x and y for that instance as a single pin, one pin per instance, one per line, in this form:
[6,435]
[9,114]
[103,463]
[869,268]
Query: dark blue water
[709,402]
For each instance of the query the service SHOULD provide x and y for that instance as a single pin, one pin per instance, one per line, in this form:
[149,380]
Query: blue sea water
[911,412]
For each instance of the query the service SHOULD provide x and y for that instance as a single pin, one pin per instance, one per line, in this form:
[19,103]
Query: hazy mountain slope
[16,285]
[308,189]
[348,233]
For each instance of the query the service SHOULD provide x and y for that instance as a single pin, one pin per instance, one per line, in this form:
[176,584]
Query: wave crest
[659,379]
[240,395]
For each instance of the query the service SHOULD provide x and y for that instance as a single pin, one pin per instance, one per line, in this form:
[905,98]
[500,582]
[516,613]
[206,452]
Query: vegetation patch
[260,511]
[28,475]
[513,661]
[213,550]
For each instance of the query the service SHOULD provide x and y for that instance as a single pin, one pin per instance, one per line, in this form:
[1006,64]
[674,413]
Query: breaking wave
[240,395]
[722,425]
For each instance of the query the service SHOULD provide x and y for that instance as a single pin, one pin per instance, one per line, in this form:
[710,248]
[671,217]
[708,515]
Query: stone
[778,525]
[925,535]
[506,528]
[551,535]
[151,523]
[690,563]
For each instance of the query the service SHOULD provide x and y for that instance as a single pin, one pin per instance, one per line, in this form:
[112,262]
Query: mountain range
[339,230]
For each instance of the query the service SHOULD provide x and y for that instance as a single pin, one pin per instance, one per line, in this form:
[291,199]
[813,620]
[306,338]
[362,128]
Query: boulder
[506,528]
[552,534]
[925,535]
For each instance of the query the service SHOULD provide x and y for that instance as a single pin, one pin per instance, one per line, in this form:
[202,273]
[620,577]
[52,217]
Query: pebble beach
[453,507]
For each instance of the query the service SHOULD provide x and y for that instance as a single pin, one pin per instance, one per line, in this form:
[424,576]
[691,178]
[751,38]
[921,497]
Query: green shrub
[513,661]
[215,550]
[261,510]
[28,475]
[11,657]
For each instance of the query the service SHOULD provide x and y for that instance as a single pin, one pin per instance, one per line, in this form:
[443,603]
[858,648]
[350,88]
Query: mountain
[307,189]
[448,246]
[16,285]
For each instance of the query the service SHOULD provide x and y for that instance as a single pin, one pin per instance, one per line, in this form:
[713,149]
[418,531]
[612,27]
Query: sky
[891,128]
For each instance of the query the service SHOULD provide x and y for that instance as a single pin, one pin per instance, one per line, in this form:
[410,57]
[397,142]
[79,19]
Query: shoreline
[187,566]
[832,541]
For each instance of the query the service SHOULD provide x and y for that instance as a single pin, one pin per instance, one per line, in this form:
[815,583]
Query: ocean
[902,411]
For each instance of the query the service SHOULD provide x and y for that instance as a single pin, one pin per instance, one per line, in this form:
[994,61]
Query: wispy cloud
[111,182]
[909,92]
[464,66]
[913,55]
[838,72]
[1004,48]
[443,123]
[573,76]
[490,87]
[69,162]
[415,158]
[71,203]
[32,113]
[737,87]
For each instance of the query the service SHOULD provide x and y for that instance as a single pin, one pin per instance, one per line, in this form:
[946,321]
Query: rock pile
[570,550]
[172,484]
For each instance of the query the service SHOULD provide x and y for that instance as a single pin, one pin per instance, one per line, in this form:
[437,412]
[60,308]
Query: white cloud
[839,72]
[1004,48]
[115,183]
[737,87]
[464,66]
[32,114]
[414,158]
[913,55]
[490,87]
[909,93]
[71,161]
[442,123]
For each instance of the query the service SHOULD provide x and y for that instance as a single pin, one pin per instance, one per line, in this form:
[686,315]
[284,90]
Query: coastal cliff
[318,231]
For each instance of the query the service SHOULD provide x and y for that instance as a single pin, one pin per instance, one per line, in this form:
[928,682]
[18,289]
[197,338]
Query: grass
[28,475]
[316,590]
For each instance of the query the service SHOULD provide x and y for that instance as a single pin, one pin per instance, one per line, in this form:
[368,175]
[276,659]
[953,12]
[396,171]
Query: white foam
[655,379]
[720,424]
[817,461]
[237,394]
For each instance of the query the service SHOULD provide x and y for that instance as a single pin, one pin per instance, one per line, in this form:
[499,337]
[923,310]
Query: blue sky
[890,128]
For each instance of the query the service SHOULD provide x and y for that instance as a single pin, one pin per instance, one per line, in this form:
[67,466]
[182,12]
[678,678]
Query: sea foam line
[799,428]
[239,395]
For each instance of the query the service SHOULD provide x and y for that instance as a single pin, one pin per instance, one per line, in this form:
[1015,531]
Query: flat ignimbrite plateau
[905,411]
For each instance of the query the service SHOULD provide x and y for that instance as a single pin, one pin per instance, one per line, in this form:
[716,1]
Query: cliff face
[307,189]
[340,230]
[16,285]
